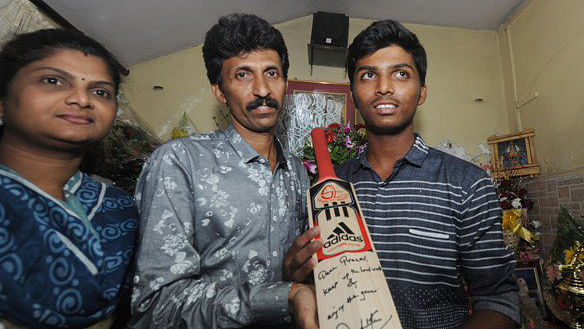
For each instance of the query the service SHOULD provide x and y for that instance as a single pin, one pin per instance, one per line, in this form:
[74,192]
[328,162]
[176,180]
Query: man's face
[387,90]
[253,87]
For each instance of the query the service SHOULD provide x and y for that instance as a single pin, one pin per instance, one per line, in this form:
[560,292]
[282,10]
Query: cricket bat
[351,291]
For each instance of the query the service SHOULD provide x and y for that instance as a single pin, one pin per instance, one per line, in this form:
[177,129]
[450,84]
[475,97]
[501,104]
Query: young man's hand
[298,262]
[302,306]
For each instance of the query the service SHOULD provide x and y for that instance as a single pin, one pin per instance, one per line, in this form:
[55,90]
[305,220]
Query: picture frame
[335,90]
[513,155]
[531,272]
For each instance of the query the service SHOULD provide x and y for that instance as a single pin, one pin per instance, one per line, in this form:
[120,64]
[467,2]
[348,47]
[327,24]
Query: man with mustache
[220,210]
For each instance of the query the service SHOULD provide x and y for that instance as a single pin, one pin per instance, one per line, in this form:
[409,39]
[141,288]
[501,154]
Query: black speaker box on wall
[329,29]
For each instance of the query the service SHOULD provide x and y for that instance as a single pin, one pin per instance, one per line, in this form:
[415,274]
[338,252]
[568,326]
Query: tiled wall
[549,194]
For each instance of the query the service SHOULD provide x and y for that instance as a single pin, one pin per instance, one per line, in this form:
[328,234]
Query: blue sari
[63,263]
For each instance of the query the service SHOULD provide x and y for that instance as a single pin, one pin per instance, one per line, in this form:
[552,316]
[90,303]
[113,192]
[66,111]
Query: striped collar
[415,156]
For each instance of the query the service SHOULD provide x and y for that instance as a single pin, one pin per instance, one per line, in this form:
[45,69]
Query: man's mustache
[263,101]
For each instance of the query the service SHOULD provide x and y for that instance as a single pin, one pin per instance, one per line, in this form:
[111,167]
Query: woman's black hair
[26,48]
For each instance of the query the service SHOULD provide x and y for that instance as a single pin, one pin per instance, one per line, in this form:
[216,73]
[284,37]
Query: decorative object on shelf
[573,285]
[480,159]
[564,255]
[512,194]
[303,112]
[333,93]
[185,127]
[512,191]
[513,154]
[344,143]
[513,221]
[529,280]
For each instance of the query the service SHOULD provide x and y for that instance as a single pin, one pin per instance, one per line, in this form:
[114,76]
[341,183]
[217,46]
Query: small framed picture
[337,97]
[513,155]
[531,273]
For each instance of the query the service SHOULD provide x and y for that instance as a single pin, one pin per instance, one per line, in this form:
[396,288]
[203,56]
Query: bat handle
[321,152]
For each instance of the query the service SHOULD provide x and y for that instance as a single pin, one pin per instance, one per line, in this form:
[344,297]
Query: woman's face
[64,101]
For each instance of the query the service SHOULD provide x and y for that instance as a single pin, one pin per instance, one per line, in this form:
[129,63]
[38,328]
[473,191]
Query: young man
[434,219]
[219,210]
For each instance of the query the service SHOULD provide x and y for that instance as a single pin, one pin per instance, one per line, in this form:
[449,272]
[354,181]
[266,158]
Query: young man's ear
[219,93]
[422,97]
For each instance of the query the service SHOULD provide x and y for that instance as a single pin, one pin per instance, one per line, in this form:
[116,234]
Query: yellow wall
[463,65]
[546,52]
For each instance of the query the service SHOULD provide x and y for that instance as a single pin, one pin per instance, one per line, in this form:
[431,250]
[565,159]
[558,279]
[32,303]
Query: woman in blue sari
[66,240]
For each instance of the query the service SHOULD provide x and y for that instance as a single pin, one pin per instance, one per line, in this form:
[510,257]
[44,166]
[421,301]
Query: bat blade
[351,289]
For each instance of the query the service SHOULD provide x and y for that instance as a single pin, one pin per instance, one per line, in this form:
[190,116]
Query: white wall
[463,65]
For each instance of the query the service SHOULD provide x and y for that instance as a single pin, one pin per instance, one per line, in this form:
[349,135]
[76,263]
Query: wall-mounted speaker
[330,29]
[328,41]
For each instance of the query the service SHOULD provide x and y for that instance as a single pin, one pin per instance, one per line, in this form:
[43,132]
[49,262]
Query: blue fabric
[436,223]
[55,269]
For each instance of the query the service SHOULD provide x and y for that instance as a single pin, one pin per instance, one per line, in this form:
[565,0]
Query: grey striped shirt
[436,223]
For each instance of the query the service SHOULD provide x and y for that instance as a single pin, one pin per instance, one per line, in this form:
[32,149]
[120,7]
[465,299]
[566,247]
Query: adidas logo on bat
[341,233]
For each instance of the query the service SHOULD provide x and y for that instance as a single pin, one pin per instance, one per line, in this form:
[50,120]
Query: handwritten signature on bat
[369,323]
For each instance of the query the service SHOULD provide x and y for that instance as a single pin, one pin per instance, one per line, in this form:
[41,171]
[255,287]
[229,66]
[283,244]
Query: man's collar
[415,156]
[418,152]
[247,153]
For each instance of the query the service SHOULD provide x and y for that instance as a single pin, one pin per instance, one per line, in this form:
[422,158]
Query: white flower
[173,244]
[169,184]
[168,159]
[166,214]
[233,306]
[155,284]
[181,264]
[254,208]
[516,203]
[257,275]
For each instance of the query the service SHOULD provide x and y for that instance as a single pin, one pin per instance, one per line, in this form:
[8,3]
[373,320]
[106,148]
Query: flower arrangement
[512,192]
[119,157]
[344,143]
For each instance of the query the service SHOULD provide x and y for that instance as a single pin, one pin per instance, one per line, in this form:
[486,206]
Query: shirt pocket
[428,234]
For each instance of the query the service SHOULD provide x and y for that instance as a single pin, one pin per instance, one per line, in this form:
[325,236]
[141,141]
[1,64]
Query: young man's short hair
[383,34]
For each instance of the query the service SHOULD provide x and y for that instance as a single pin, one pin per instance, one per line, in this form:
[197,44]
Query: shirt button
[275,253]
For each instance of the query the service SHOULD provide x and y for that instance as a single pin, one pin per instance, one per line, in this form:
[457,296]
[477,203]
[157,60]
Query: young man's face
[247,78]
[386,88]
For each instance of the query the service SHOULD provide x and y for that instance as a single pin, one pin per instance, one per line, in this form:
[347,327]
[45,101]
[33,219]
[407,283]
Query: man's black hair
[237,34]
[383,34]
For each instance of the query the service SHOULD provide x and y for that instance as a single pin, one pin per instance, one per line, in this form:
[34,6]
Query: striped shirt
[436,224]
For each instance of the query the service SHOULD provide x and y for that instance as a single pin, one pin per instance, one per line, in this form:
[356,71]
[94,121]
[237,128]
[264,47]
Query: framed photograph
[531,272]
[513,155]
[337,97]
